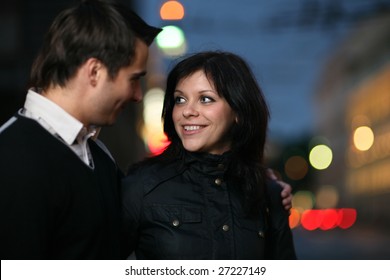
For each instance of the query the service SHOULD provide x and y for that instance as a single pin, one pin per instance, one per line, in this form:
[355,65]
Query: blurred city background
[324,66]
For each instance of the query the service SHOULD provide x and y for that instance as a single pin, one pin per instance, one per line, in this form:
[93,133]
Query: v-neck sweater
[54,206]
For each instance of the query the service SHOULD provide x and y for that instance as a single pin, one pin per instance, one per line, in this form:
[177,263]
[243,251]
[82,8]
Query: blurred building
[353,109]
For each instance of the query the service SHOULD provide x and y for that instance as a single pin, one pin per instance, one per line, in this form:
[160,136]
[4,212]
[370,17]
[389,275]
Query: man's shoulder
[17,129]
[20,125]
[8,124]
[26,140]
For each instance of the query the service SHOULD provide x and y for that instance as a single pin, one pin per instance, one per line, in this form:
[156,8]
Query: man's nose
[137,93]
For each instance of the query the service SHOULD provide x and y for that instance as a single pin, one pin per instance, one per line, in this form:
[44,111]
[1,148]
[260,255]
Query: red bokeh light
[330,218]
[326,219]
[311,219]
[347,217]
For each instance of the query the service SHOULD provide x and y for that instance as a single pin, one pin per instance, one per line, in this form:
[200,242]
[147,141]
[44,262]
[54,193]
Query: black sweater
[53,206]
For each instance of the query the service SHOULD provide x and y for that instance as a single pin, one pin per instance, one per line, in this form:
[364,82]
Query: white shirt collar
[53,117]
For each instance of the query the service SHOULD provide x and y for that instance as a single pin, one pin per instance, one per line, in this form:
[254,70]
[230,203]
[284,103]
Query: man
[59,189]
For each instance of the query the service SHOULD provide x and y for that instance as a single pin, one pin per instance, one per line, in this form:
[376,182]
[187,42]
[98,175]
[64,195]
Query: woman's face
[202,118]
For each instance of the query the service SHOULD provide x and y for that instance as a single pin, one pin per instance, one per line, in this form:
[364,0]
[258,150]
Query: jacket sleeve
[280,241]
[132,197]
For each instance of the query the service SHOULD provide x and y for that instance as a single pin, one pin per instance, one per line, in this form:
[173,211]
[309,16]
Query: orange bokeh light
[172,10]
[294,218]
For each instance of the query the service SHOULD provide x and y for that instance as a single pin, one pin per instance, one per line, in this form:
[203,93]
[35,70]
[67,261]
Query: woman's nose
[190,111]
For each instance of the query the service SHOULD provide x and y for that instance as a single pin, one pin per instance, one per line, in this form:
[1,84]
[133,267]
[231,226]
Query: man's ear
[94,69]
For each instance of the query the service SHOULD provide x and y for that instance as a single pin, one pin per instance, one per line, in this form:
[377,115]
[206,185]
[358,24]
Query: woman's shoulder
[152,165]
[150,172]
[144,166]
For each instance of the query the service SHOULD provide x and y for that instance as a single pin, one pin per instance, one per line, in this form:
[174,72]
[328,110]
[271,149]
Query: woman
[207,196]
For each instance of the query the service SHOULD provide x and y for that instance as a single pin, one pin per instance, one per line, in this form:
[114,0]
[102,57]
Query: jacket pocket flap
[181,213]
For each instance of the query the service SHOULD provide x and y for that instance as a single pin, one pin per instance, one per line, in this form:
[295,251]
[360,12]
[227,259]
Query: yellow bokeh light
[363,138]
[153,104]
[320,157]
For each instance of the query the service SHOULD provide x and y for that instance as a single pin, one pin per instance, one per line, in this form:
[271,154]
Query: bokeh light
[347,217]
[303,200]
[172,41]
[320,157]
[294,217]
[311,219]
[326,219]
[172,10]
[363,138]
[327,196]
[329,219]
[296,167]
[152,132]
[153,104]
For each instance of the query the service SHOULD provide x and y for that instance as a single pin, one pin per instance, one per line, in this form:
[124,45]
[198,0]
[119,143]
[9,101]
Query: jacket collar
[207,164]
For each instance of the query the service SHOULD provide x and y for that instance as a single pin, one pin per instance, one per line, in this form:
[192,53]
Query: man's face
[112,95]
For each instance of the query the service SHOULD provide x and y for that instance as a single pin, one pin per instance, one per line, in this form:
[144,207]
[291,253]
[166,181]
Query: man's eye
[135,78]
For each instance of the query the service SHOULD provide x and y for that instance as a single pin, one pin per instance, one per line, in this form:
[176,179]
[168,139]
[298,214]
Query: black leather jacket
[188,211]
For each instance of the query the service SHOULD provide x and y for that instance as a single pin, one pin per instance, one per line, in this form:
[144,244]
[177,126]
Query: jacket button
[218,181]
[261,234]
[175,223]
[220,166]
[225,227]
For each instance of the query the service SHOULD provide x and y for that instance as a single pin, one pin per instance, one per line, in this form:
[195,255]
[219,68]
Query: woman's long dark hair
[234,81]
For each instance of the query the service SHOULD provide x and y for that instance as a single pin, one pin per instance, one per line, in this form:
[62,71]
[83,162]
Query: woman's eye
[179,100]
[205,99]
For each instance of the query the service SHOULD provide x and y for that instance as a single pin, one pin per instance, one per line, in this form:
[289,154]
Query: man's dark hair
[94,28]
